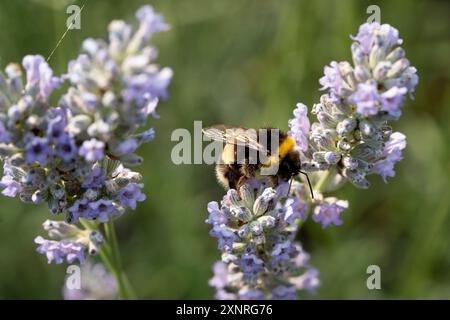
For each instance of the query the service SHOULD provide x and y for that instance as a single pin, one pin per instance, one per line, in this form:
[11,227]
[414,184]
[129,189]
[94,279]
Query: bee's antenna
[309,183]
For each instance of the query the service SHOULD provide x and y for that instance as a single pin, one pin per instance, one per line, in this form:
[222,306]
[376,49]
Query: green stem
[323,182]
[122,280]
[110,256]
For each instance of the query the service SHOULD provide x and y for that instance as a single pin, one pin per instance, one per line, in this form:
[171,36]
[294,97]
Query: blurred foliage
[248,62]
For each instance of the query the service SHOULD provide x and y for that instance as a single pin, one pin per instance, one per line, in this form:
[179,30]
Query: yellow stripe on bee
[285,147]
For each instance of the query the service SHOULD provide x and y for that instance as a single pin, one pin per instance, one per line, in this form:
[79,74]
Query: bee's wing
[234,135]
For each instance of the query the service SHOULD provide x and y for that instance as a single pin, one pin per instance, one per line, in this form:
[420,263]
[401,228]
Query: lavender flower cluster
[352,135]
[74,156]
[256,231]
[256,227]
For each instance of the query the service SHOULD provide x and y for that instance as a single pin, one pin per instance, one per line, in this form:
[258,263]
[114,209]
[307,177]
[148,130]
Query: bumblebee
[248,152]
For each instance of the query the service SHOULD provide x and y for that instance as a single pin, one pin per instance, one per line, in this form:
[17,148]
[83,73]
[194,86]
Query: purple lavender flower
[295,209]
[392,101]
[368,32]
[12,187]
[282,252]
[250,264]
[126,147]
[216,216]
[66,148]
[308,281]
[5,136]
[55,130]
[131,194]
[58,251]
[80,209]
[224,235]
[366,99]
[37,150]
[95,179]
[332,79]
[251,294]
[329,212]
[352,127]
[255,232]
[70,243]
[40,75]
[284,293]
[92,150]
[300,127]
[103,210]
[220,279]
[224,295]
[392,154]
[150,22]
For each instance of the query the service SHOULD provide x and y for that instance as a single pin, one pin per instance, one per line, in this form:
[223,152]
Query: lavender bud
[381,70]
[326,120]
[38,196]
[346,126]
[7,150]
[145,136]
[386,132]
[243,232]
[395,54]
[17,160]
[131,159]
[350,163]
[25,197]
[247,195]
[262,202]
[256,228]
[367,129]
[267,222]
[332,157]
[398,67]
[234,197]
[377,55]
[57,191]
[362,74]
[359,58]
[241,213]
[60,230]
[344,145]
[95,241]
[79,124]
[365,152]
[53,206]
[91,194]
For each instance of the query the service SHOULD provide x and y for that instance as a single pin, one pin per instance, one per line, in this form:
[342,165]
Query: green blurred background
[248,62]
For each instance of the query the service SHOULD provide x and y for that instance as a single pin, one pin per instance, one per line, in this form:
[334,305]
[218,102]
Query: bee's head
[290,165]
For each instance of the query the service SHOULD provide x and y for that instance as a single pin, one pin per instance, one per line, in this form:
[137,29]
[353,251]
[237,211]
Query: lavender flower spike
[70,243]
[352,118]
[256,232]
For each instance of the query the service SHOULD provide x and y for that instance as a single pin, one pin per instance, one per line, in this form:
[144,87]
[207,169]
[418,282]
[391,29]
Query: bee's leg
[309,184]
